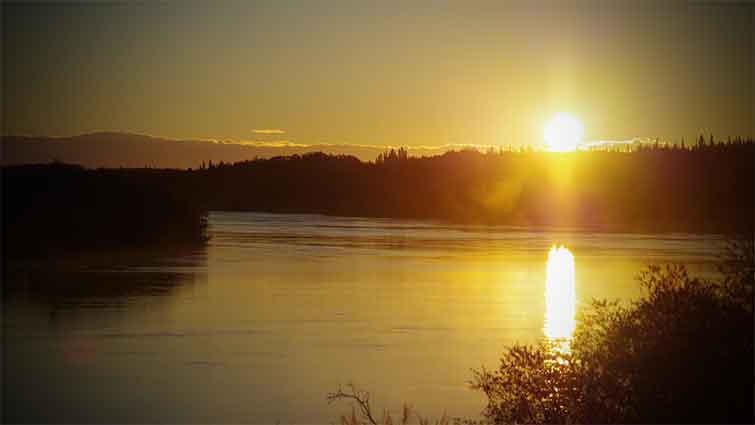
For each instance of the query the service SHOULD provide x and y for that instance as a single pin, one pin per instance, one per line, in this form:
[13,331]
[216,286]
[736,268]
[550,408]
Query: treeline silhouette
[708,187]
[59,208]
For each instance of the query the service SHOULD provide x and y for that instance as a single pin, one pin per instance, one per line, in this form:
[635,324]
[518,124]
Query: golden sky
[386,73]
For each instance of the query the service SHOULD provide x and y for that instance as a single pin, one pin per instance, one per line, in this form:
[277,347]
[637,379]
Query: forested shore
[706,189]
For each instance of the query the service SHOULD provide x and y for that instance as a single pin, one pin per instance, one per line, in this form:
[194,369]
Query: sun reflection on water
[560,298]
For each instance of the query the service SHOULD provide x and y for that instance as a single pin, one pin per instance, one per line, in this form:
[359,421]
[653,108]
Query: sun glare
[560,297]
[562,133]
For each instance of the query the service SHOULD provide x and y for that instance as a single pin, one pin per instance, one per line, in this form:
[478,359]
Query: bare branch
[362,399]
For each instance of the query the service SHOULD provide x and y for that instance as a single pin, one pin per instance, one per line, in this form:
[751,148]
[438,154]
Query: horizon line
[291,143]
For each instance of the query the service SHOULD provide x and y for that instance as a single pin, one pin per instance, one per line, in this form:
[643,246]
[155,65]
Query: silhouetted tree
[521,187]
[680,354]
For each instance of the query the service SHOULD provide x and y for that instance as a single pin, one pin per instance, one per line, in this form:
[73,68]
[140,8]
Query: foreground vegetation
[682,353]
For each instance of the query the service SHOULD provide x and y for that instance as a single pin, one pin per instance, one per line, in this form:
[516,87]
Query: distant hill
[116,149]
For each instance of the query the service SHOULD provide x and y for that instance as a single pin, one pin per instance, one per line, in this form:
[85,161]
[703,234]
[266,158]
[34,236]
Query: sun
[562,133]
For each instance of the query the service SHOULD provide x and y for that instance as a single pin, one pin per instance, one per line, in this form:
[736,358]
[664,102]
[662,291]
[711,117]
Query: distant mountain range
[117,149]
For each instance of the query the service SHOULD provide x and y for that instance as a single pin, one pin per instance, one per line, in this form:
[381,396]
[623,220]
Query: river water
[278,310]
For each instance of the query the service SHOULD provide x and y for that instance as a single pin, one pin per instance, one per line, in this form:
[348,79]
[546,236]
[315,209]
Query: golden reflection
[560,298]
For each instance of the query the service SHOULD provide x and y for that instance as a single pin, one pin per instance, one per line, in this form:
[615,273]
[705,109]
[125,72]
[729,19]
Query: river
[278,310]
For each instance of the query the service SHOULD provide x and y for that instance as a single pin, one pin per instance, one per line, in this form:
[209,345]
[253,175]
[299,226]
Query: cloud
[603,144]
[443,147]
[268,131]
[364,151]
[271,144]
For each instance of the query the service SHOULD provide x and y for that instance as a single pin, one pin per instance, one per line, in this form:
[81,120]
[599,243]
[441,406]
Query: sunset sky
[386,73]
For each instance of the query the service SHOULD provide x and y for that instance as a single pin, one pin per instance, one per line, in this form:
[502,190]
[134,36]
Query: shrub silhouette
[360,401]
[682,353]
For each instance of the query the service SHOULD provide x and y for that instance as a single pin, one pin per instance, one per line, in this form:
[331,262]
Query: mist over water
[278,310]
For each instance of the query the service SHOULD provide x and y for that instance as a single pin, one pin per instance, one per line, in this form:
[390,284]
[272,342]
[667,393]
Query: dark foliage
[59,209]
[683,353]
[662,189]
[360,401]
